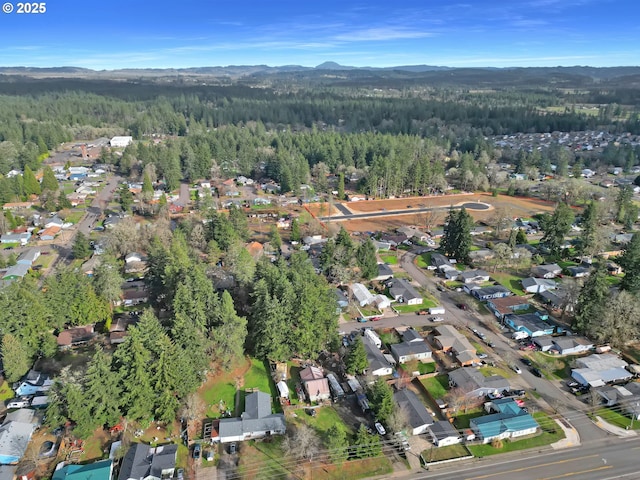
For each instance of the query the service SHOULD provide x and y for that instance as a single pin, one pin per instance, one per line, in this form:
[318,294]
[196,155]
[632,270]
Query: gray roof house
[475,384]
[341,298]
[551,270]
[571,345]
[537,285]
[403,291]
[361,294]
[378,364]
[256,421]
[143,462]
[16,271]
[437,260]
[29,257]
[444,434]
[384,272]
[15,433]
[626,396]
[406,351]
[598,370]
[418,417]
[489,293]
[474,276]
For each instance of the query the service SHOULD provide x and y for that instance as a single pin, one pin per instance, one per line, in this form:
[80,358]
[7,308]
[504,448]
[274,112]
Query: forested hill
[331,73]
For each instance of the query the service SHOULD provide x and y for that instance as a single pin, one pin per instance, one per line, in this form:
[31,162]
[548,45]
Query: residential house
[544,342]
[444,434]
[73,337]
[578,272]
[598,370]
[507,305]
[21,238]
[135,262]
[622,238]
[475,384]
[255,249]
[384,273]
[256,421]
[16,272]
[413,233]
[448,339]
[555,299]
[533,324]
[29,257]
[53,222]
[418,417]
[537,285]
[118,330]
[32,383]
[379,366]
[509,421]
[413,347]
[488,293]
[449,272]
[120,141]
[134,296]
[315,384]
[143,462]
[361,294]
[403,292]
[341,298]
[625,397]
[551,270]
[49,234]
[261,201]
[101,470]
[381,302]
[473,276]
[571,345]
[437,260]
[482,254]
[15,434]
[613,268]
[480,230]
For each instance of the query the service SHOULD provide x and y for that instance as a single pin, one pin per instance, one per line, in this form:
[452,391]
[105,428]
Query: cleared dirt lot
[509,206]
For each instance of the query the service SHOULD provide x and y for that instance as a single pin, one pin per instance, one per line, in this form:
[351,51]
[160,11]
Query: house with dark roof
[488,293]
[341,298]
[551,270]
[444,434]
[72,337]
[32,383]
[578,271]
[544,343]
[256,421]
[142,462]
[626,397]
[450,340]
[384,273]
[407,351]
[438,260]
[418,417]
[475,384]
[571,345]
[102,470]
[509,421]
[403,292]
[378,364]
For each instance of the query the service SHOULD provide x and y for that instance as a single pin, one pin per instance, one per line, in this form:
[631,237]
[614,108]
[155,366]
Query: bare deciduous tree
[302,442]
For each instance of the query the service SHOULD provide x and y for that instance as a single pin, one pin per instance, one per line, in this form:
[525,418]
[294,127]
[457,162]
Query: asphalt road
[393,213]
[604,460]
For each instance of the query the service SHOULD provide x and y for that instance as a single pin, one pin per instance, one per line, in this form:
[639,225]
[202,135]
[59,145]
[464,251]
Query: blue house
[33,382]
[101,470]
[509,421]
[488,293]
[77,176]
[533,324]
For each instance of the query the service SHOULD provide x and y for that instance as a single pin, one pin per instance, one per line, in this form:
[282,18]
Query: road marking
[533,466]
[570,474]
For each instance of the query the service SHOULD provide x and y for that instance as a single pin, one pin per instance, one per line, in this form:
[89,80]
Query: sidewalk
[572,438]
[613,430]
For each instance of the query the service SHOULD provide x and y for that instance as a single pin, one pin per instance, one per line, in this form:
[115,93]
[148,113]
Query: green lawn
[512,282]
[614,280]
[488,371]
[5,392]
[325,418]
[426,304]
[435,454]
[4,246]
[436,386]
[418,366]
[389,259]
[551,433]
[424,260]
[616,418]
[554,367]
[463,420]
[75,216]
[390,338]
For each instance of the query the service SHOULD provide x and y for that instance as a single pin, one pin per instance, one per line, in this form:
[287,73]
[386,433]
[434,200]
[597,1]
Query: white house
[121,142]
[418,417]
[537,285]
[361,295]
[444,434]
[256,421]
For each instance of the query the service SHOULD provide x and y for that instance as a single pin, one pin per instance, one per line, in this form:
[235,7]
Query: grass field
[75,216]
[389,259]
[5,392]
[512,282]
[551,433]
[325,418]
[463,420]
[436,386]
[418,366]
[435,454]
[424,260]
[554,367]
[426,304]
[616,418]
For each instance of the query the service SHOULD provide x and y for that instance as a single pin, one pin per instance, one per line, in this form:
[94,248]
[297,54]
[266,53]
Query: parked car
[197,451]
[362,319]
[380,428]
[233,448]
[440,288]
[209,455]
[21,402]
[516,369]
[437,319]
[482,356]
[535,371]
[462,306]
[423,312]
[375,319]
[180,473]
[526,361]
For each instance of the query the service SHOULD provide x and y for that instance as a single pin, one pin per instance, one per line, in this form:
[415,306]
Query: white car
[380,428]
[516,369]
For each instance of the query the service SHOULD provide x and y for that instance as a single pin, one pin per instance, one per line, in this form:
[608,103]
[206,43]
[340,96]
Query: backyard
[510,281]
[439,454]
[389,259]
[436,386]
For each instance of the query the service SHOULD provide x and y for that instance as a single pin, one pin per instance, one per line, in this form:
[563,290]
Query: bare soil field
[510,206]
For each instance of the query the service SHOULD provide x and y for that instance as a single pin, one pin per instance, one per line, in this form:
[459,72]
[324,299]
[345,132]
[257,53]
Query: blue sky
[190,33]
